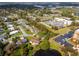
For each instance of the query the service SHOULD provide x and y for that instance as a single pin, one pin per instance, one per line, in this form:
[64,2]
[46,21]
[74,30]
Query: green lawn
[41,33]
[28,32]
[62,30]
[29,37]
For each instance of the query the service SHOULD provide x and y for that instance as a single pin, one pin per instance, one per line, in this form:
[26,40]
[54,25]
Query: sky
[4,3]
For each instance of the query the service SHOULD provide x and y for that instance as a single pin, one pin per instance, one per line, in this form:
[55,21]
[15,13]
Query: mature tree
[45,43]
[67,12]
[1,48]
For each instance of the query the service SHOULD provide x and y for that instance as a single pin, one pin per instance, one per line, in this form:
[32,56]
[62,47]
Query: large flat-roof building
[59,22]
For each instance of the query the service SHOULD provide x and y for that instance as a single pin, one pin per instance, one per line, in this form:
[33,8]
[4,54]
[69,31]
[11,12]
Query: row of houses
[2,33]
[1,29]
[10,27]
[24,23]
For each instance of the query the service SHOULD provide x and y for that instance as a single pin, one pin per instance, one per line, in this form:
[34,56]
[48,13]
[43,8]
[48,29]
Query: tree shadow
[48,52]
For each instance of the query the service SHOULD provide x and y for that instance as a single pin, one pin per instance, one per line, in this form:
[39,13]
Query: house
[2,36]
[75,37]
[4,18]
[23,40]
[77,31]
[77,21]
[9,25]
[35,41]
[76,14]
[18,42]
[76,48]
[1,29]
[11,29]
[14,32]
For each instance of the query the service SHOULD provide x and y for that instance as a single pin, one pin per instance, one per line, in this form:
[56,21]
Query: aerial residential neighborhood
[39,29]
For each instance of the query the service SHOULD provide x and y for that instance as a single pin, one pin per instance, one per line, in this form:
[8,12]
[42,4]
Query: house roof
[13,32]
[77,31]
[76,35]
[35,40]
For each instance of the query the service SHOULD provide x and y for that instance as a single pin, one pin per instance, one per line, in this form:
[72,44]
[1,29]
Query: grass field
[62,30]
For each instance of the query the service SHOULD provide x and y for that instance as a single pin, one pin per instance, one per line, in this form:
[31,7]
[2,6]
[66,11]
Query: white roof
[13,32]
[76,20]
[11,28]
[77,31]
[10,25]
[59,19]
